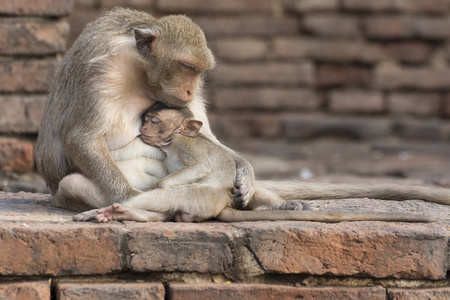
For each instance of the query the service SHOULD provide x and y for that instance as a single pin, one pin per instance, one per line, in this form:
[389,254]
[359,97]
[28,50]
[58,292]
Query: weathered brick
[51,8]
[304,6]
[331,25]
[394,27]
[409,52]
[420,129]
[32,36]
[21,114]
[418,294]
[356,101]
[78,20]
[266,98]
[36,290]
[26,75]
[338,75]
[393,77]
[136,4]
[64,249]
[374,249]
[306,126]
[327,50]
[242,49]
[110,291]
[169,247]
[265,73]
[247,26]
[235,125]
[446,105]
[422,104]
[16,156]
[266,292]
[387,27]
[220,6]
[409,6]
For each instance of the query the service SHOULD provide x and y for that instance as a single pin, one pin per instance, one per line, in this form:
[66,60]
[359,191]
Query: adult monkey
[121,64]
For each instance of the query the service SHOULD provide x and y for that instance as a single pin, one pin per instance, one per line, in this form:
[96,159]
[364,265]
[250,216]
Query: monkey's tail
[292,190]
[232,215]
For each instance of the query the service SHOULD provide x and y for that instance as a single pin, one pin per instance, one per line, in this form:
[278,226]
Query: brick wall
[303,69]
[289,71]
[33,36]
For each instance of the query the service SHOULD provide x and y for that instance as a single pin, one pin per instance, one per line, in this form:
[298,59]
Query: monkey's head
[160,123]
[176,56]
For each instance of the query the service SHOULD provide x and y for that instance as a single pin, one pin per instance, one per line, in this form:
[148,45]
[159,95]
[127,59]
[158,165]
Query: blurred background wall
[302,87]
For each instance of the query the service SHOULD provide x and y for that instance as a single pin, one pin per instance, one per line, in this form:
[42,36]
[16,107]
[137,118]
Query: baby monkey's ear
[191,127]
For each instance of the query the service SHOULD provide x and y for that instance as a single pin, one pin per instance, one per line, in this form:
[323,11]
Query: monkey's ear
[191,127]
[144,40]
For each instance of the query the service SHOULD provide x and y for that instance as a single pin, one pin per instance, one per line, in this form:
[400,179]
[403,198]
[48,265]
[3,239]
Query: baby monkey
[201,174]
[201,181]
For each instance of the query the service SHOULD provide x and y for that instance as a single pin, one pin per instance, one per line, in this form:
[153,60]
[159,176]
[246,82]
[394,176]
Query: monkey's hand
[245,183]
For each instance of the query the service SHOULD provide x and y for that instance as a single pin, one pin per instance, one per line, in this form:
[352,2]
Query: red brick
[346,75]
[32,36]
[59,249]
[234,125]
[16,156]
[36,7]
[308,6]
[266,292]
[388,27]
[219,6]
[110,291]
[135,4]
[419,294]
[78,20]
[356,101]
[242,49]
[265,73]
[372,249]
[410,6]
[409,52]
[21,114]
[331,25]
[394,27]
[246,124]
[390,77]
[247,26]
[306,126]
[446,105]
[36,290]
[266,99]
[26,75]
[327,50]
[169,247]
[422,104]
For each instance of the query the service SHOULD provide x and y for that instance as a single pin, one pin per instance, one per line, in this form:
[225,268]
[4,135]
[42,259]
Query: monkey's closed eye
[188,66]
[155,120]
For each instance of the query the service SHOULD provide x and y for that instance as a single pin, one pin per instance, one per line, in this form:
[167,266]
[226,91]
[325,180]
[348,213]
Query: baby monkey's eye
[154,120]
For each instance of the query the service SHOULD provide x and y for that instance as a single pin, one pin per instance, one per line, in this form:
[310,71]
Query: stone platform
[45,255]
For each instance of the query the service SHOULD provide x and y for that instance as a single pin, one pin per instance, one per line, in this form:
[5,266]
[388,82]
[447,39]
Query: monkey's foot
[118,212]
[86,216]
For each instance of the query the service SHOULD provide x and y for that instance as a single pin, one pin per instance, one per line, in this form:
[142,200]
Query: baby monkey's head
[160,122]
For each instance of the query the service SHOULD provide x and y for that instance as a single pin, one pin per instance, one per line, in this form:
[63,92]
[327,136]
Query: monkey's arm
[90,154]
[186,175]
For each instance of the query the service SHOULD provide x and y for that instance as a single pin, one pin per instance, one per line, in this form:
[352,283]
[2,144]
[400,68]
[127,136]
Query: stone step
[39,240]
